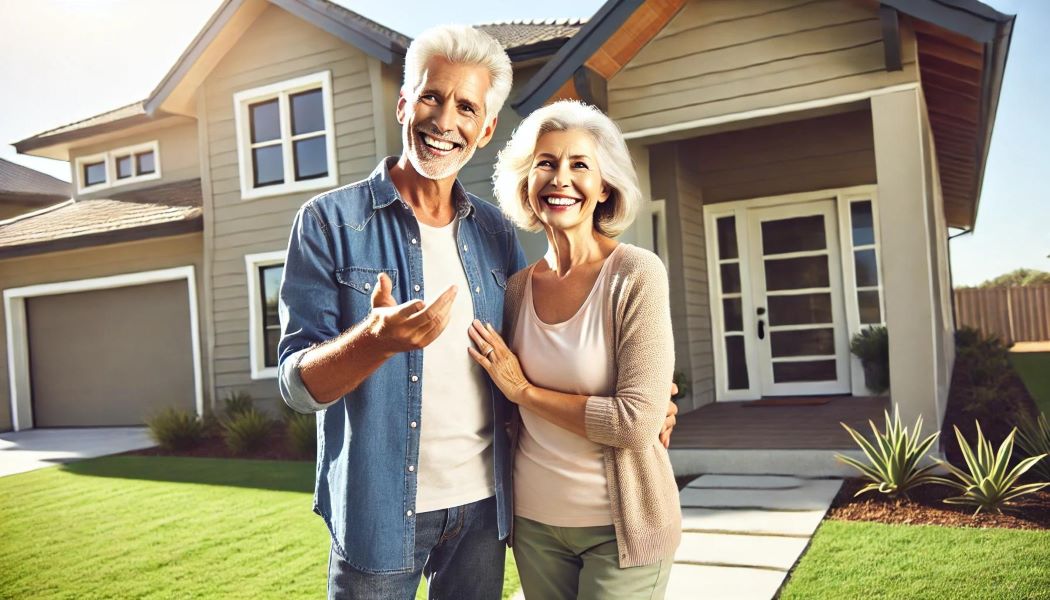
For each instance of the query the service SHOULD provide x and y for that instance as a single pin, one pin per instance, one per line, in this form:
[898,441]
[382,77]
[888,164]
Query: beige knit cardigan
[643,495]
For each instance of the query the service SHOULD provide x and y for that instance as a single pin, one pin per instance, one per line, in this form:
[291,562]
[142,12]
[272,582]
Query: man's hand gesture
[408,326]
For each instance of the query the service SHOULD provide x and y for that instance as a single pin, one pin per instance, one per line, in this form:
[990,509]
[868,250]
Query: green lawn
[158,527]
[873,561]
[1034,369]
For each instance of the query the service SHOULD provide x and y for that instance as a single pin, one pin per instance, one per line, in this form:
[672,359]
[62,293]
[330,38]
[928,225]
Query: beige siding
[88,263]
[277,47]
[822,153]
[177,152]
[720,57]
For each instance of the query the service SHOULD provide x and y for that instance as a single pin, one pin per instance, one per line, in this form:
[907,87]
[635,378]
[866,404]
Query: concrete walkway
[743,533]
[22,451]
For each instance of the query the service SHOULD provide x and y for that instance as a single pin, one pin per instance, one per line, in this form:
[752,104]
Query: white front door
[799,332]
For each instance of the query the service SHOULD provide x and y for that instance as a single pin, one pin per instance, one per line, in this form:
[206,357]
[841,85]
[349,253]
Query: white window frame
[281,91]
[109,157]
[256,337]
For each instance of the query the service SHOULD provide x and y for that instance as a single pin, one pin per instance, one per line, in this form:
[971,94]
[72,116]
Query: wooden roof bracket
[591,87]
[891,37]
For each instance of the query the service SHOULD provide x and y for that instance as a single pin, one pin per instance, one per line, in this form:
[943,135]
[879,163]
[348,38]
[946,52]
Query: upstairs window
[286,138]
[117,167]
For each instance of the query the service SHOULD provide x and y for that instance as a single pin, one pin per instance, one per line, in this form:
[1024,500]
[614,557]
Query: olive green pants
[568,563]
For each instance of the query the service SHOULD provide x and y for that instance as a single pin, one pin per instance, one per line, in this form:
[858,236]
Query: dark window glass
[731,278]
[307,112]
[310,158]
[867,272]
[267,165]
[801,309]
[736,363]
[805,342]
[94,173]
[265,121]
[124,169]
[797,273]
[727,238]
[868,302]
[816,370]
[863,229]
[656,234]
[146,162]
[793,235]
[270,281]
[734,318]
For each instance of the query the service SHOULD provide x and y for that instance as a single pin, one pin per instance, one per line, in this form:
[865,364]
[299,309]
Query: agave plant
[1033,437]
[990,484]
[893,457]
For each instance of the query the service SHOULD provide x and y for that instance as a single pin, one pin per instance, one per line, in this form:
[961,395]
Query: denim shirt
[340,241]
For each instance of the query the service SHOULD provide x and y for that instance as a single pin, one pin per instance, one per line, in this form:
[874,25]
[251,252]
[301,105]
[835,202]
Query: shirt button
[416,288]
[411,468]
[477,290]
[413,425]
[415,241]
[415,378]
[368,286]
[464,247]
[408,514]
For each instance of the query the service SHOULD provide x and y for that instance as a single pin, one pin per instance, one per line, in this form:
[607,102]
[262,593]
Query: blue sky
[71,59]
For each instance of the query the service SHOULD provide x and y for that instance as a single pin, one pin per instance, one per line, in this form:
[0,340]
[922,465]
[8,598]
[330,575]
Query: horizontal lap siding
[726,56]
[277,47]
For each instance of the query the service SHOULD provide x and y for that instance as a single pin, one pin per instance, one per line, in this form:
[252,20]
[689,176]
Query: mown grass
[163,527]
[877,561]
[1034,369]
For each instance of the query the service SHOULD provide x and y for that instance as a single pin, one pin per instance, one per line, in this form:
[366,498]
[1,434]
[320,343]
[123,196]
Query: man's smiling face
[444,120]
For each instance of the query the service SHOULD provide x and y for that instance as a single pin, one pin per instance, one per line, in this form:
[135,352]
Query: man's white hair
[461,44]
[510,181]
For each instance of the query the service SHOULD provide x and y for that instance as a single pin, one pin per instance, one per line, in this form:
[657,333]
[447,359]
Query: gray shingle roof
[16,179]
[517,34]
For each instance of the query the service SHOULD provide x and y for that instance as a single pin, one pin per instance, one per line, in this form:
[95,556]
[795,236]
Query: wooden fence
[1015,314]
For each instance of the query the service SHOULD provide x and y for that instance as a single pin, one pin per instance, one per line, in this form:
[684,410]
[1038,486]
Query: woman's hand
[498,361]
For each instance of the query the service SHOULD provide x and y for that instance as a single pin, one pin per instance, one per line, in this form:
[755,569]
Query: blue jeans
[457,549]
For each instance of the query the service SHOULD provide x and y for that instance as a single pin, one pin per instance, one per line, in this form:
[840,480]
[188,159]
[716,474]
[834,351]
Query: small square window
[124,167]
[146,163]
[94,173]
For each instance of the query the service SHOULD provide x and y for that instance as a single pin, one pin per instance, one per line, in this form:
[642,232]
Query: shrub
[237,402]
[682,382]
[872,346]
[1033,438]
[302,434]
[894,457]
[989,483]
[175,429]
[246,431]
[286,412]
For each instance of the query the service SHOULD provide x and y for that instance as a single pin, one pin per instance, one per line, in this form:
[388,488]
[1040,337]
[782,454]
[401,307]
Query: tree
[1021,277]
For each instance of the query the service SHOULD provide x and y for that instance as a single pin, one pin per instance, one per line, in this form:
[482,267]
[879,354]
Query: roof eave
[131,234]
[41,142]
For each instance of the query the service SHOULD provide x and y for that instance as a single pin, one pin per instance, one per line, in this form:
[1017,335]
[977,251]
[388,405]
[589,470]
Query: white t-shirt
[455,446]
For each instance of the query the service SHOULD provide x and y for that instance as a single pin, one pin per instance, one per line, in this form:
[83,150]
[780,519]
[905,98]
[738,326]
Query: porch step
[814,494]
[798,463]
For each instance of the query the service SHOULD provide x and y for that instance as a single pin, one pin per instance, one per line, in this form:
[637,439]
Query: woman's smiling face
[565,183]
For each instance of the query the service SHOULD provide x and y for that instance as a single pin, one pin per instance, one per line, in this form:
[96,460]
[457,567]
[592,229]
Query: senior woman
[587,362]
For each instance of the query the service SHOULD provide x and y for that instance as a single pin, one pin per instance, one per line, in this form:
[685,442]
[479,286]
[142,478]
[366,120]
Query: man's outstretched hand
[671,420]
[408,326]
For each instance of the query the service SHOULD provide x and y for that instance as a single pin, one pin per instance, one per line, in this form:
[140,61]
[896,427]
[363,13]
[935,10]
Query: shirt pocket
[363,279]
[501,278]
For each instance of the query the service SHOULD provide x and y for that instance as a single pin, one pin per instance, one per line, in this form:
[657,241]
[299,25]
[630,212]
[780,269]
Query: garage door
[110,357]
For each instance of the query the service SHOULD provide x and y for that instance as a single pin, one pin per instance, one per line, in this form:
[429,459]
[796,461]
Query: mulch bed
[276,447]
[925,506]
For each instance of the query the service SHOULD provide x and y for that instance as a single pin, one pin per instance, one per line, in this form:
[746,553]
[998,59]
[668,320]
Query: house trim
[738,208]
[256,339]
[18,330]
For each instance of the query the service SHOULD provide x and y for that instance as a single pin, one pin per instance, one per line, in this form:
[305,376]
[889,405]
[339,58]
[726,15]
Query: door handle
[761,329]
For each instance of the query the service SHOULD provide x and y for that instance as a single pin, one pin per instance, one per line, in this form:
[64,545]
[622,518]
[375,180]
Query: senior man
[413,467]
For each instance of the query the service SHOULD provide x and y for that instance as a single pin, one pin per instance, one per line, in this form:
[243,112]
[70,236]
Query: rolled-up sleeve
[633,417]
[308,306]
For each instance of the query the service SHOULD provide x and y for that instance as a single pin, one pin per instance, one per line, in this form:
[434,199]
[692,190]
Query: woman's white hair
[461,44]
[511,178]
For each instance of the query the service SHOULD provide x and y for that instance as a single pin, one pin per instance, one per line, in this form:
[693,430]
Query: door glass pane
[801,309]
[310,158]
[736,363]
[868,302]
[727,238]
[146,162]
[307,112]
[809,370]
[793,235]
[731,278]
[265,121]
[268,165]
[124,167]
[867,272]
[808,342]
[734,318]
[797,273]
[94,173]
[863,229]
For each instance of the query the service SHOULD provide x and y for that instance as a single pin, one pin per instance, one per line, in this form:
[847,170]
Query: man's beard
[428,165]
